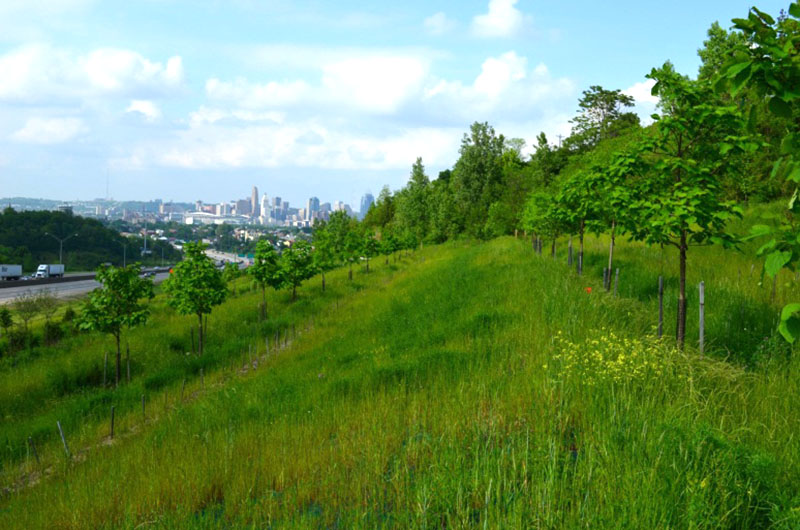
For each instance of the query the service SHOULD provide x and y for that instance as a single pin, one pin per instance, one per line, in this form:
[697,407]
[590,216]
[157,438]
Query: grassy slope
[432,398]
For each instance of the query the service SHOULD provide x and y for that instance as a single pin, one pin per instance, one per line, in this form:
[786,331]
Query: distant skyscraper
[254,210]
[265,209]
[312,207]
[366,202]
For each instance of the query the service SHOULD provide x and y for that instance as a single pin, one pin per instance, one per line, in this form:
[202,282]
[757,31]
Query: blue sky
[202,100]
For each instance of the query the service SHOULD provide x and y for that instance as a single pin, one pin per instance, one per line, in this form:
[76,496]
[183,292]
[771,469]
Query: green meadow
[466,385]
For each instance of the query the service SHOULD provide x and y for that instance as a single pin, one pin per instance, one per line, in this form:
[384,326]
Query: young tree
[580,207]
[195,287]
[542,218]
[266,271]
[370,247]
[297,264]
[679,202]
[26,306]
[352,250]
[6,319]
[324,251]
[117,305]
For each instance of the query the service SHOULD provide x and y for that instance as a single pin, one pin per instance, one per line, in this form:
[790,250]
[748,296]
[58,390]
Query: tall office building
[265,209]
[254,206]
[312,207]
[366,202]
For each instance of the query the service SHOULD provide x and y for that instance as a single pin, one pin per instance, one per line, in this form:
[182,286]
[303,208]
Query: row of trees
[196,285]
[677,182]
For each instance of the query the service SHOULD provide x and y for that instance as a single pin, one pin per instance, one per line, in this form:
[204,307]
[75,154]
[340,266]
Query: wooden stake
[616,282]
[33,450]
[63,440]
[569,253]
[183,387]
[105,369]
[112,421]
[702,315]
[660,306]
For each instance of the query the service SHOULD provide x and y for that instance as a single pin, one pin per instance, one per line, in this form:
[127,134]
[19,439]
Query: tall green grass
[436,395]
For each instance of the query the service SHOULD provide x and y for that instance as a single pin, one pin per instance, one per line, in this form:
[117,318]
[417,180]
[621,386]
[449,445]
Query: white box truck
[50,271]
[10,272]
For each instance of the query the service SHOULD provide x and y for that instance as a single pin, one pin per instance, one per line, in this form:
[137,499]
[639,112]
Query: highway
[60,290]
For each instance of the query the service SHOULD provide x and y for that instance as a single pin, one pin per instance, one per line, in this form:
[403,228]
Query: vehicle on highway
[10,272]
[50,271]
[26,278]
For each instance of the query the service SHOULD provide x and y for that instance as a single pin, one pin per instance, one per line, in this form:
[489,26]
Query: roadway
[60,290]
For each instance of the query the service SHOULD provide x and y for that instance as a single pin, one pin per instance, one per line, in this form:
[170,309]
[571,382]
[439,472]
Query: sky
[203,99]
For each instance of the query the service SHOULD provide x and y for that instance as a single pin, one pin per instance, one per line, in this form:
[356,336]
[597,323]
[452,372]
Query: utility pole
[60,245]
[559,140]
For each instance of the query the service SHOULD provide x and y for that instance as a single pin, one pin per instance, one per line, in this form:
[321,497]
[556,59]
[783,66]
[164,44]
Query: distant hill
[24,240]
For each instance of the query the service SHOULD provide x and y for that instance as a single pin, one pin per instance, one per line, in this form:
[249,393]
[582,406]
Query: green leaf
[760,230]
[734,69]
[790,329]
[794,10]
[779,107]
[775,262]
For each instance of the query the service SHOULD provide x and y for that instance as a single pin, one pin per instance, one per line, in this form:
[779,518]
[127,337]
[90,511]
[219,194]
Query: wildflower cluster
[610,358]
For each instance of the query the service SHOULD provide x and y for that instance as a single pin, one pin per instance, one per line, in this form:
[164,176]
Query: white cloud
[257,95]
[219,147]
[370,83]
[49,131]
[502,20]
[44,74]
[498,73]
[642,92]
[377,84]
[146,108]
[438,24]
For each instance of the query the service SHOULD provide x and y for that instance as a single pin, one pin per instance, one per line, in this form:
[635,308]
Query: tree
[679,202]
[477,177]
[117,305]
[601,116]
[297,264]
[580,206]
[195,287]
[413,204]
[541,217]
[266,271]
[324,250]
[26,306]
[769,63]
[718,50]
[352,250]
[6,319]
[369,247]
[382,210]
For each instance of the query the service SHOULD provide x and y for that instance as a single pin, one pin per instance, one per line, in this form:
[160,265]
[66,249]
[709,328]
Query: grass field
[468,386]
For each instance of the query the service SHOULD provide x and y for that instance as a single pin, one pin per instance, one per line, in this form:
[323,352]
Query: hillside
[470,385]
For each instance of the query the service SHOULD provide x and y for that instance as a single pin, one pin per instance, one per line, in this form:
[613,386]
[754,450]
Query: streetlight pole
[60,245]
[124,253]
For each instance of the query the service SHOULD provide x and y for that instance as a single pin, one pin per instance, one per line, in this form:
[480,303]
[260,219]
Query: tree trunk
[611,252]
[367,264]
[553,249]
[119,362]
[323,281]
[263,303]
[580,252]
[200,334]
[681,331]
